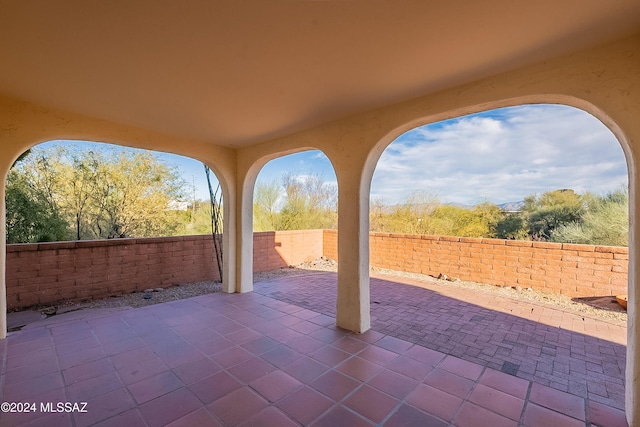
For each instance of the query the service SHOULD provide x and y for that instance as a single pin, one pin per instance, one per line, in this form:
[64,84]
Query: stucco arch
[246,185]
[606,116]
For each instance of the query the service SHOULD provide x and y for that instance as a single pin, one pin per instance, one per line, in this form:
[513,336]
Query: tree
[106,193]
[605,222]
[265,205]
[309,203]
[513,227]
[133,191]
[29,220]
[552,210]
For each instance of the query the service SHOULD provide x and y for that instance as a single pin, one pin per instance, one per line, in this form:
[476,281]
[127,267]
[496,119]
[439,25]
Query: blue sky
[501,156]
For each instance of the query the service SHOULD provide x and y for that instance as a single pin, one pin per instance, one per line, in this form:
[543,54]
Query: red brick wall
[45,273]
[274,249]
[573,270]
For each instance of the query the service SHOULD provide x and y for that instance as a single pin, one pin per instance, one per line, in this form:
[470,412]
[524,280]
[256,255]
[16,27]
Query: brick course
[45,273]
[570,269]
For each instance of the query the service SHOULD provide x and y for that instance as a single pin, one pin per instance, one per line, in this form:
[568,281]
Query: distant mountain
[512,206]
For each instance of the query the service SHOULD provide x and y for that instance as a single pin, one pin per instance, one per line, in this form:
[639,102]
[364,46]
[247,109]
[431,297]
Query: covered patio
[250,359]
[235,85]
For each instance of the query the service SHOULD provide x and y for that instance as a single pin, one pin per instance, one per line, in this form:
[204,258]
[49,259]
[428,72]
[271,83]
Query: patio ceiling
[236,73]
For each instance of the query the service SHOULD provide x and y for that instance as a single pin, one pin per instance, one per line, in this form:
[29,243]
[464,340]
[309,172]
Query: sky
[498,156]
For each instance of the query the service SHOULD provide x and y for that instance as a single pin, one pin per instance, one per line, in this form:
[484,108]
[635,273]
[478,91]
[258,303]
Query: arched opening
[295,197]
[502,156]
[113,216]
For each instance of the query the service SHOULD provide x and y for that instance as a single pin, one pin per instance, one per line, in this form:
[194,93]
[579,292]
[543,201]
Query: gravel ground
[603,307]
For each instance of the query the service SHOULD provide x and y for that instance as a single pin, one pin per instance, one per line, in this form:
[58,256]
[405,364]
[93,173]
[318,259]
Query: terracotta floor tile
[407,416]
[358,368]
[327,335]
[91,388]
[214,345]
[170,407]
[450,383]
[199,417]
[196,371]
[19,418]
[59,419]
[535,416]
[305,405]
[370,336]
[241,336]
[410,367]
[396,385]
[558,401]
[393,344]
[121,346]
[283,335]
[461,367]
[275,385]
[28,389]
[238,406]
[131,374]
[378,355]
[305,344]
[341,417]
[606,416]
[251,370]
[105,406]
[232,356]
[305,369]
[132,417]
[514,386]
[88,370]
[268,417]
[158,385]
[132,357]
[260,345]
[329,355]
[497,401]
[425,355]
[214,387]
[305,327]
[371,403]
[281,356]
[80,357]
[471,415]
[26,372]
[335,385]
[433,401]
[349,345]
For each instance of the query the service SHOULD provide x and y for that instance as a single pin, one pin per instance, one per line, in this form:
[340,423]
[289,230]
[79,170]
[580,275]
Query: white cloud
[502,156]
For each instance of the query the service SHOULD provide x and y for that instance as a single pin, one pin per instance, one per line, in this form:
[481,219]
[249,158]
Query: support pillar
[352,306]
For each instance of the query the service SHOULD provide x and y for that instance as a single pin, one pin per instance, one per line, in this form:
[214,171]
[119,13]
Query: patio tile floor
[565,350]
[213,360]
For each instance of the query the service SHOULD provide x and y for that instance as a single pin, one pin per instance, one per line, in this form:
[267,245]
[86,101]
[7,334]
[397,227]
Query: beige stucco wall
[603,81]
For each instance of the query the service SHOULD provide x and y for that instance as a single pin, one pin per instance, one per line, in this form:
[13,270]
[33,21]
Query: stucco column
[3,257]
[352,305]
[244,235]
[632,380]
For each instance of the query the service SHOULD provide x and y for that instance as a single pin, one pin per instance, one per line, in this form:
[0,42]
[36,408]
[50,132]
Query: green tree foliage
[301,202]
[512,226]
[109,193]
[551,210]
[605,222]
[29,218]
[265,206]
[423,213]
